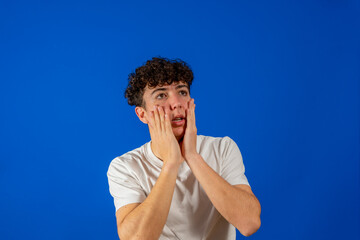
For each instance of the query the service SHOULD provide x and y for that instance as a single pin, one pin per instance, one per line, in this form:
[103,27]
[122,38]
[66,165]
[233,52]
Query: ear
[140,112]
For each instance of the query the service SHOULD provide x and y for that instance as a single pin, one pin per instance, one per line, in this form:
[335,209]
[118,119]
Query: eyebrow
[181,86]
[158,89]
[164,89]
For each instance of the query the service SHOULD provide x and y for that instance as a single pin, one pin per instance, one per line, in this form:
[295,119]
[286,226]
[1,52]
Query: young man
[180,185]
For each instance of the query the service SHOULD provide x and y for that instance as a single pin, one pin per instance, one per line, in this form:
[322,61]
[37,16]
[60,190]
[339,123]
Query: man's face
[175,98]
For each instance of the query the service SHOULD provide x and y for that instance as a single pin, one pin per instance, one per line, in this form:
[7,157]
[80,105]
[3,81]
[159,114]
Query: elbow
[253,222]
[124,234]
[121,235]
[251,227]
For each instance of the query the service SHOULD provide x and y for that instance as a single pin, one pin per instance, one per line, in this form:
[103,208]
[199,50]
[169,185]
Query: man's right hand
[163,142]
[147,219]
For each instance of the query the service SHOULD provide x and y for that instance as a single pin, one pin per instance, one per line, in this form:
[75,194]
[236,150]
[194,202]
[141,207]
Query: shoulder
[127,161]
[219,146]
[217,142]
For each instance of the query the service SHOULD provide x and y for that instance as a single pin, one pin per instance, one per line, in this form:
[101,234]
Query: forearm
[147,220]
[240,208]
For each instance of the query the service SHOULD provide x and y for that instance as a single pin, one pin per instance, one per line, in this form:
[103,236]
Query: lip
[178,116]
[178,123]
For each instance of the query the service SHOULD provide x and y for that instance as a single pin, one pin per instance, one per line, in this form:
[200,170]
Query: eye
[161,96]
[183,93]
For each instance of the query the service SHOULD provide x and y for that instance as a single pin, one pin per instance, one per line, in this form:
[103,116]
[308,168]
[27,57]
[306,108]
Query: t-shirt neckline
[151,156]
[157,162]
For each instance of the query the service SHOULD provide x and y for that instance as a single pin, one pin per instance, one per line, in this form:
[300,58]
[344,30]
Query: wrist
[193,157]
[171,167]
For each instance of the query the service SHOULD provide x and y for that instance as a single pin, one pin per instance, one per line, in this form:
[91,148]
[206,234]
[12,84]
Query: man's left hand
[188,145]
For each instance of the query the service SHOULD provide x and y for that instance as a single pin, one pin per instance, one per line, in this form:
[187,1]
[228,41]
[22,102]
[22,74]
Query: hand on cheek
[188,145]
[163,142]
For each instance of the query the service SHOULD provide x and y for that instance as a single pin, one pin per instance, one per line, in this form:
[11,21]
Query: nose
[175,102]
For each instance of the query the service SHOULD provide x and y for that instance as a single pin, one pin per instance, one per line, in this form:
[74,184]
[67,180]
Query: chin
[179,133]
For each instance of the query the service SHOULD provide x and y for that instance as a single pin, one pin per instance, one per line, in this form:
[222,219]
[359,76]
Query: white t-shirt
[192,216]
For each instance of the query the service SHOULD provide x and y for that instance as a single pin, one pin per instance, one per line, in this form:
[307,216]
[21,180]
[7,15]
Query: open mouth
[178,120]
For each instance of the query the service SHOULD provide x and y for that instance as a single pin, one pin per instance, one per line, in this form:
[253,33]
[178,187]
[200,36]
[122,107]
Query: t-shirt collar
[151,156]
[157,162]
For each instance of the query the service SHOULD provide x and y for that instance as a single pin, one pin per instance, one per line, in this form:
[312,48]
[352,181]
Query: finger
[193,109]
[191,114]
[162,118]
[167,121]
[188,115]
[157,118]
[190,108]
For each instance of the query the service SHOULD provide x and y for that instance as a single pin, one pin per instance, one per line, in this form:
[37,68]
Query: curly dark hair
[158,71]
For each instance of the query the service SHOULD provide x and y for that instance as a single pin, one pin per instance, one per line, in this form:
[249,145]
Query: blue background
[279,77]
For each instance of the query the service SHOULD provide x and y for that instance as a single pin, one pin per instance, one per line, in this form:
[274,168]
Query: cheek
[186,103]
[158,104]
[164,105]
[149,106]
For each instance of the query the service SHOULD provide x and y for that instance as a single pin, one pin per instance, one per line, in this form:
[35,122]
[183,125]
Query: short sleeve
[124,187]
[233,169]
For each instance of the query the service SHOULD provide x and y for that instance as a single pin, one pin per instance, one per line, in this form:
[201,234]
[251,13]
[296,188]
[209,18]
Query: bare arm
[147,220]
[237,204]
